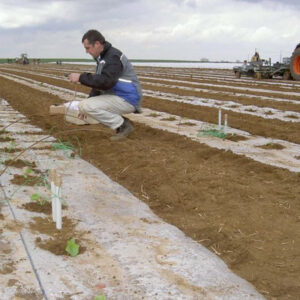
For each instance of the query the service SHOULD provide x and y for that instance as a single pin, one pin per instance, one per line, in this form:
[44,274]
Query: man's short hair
[93,36]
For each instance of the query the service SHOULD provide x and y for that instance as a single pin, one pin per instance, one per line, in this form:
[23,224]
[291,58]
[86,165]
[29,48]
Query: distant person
[115,87]
[255,57]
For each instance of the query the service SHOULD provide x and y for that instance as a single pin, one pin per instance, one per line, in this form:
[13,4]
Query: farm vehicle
[262,69]
[23,59]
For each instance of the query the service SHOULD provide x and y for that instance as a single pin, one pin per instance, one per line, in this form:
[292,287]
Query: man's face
[93,50]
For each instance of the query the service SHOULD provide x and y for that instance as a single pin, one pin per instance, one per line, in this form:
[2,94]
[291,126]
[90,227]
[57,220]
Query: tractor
[252,68]
[289,69]
[23,59]
[295,64]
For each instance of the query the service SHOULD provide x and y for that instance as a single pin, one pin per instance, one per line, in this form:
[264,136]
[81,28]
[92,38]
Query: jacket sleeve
[94,92]
[109,76]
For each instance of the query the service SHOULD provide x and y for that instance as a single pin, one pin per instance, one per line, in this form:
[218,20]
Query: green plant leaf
[72,248]
[100,297]
[27,172]
[35,197]
[12,145]
[41,200]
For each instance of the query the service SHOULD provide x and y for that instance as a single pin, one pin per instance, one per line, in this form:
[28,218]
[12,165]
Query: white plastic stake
[53,194]
[220,119]
[58,208]
[225,123]
[58,202]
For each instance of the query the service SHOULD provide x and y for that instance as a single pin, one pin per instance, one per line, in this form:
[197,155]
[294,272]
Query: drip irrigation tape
[25,245]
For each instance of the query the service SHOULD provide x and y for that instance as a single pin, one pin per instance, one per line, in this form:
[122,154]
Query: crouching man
[115,87]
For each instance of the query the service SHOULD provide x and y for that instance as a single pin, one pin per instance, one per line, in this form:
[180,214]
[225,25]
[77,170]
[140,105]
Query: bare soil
[29,180]
[272,146]
[44,208]
[57,241]
[19,163]
[244,211]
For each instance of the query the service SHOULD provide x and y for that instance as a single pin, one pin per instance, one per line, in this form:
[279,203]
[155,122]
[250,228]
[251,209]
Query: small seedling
[72,248]
[12,145]
[38,198]
[212,132]
[29,164]
[28,171]
[100,297]
[65,146]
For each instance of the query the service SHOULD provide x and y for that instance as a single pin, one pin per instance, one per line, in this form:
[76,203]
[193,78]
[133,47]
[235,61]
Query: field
[236,193]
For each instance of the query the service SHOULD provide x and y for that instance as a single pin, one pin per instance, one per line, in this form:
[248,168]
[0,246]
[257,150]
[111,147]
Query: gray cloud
[274,2]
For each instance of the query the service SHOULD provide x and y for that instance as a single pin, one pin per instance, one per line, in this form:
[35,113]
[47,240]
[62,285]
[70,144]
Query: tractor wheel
[237,74]
[295,64]
[286,75]
[258,75]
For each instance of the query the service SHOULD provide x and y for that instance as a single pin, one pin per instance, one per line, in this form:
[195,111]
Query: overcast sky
[156,29]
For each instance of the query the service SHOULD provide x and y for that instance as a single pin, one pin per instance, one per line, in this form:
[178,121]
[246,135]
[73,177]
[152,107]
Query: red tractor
[295,63]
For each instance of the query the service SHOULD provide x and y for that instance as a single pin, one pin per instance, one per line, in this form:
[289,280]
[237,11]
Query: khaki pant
[107,109]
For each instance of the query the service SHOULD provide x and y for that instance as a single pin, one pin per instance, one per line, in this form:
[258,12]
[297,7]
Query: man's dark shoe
[123,131]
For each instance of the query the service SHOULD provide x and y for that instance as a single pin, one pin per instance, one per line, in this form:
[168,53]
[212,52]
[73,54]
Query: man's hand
[74,77]
[81,116]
